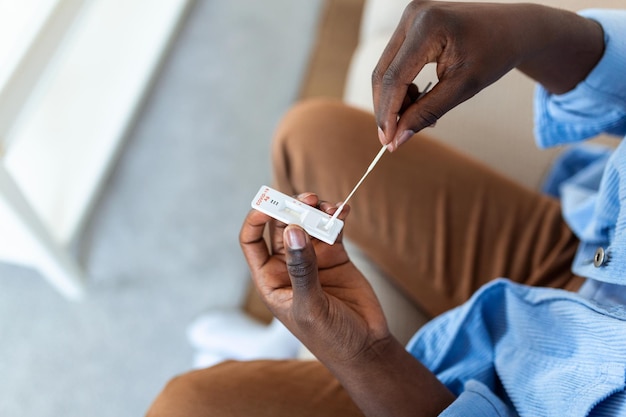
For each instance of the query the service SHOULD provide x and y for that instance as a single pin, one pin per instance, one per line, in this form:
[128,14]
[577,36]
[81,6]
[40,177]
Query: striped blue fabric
[515,350]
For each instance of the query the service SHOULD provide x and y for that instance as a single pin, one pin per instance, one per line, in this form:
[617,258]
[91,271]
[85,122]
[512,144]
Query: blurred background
[133,136]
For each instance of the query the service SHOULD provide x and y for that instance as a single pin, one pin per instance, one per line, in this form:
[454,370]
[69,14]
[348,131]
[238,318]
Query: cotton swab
[369,169]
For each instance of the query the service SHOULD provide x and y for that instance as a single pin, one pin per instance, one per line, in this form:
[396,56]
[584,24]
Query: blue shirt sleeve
[477,400]
[598,104]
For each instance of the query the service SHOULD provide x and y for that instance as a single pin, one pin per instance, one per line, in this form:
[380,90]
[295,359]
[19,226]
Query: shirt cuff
[598,104]
[477,400]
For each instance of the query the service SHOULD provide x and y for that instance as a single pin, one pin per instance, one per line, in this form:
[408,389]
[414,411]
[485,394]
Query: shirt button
[599,258]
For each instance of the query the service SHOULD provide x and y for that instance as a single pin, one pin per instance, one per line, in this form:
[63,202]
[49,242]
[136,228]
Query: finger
[301,265]
[383,81]
[404,58]
[309,198]
[251,239]
[412,93]
[410,59]
[445,95]
[382,66]
[329,208]
[277,228]
[330,254]
[391,49]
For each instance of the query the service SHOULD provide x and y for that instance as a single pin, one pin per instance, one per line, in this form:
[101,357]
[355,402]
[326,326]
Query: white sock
[231,334]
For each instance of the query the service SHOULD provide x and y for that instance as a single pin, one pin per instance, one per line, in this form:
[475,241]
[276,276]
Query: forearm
[387,381]
[559,49]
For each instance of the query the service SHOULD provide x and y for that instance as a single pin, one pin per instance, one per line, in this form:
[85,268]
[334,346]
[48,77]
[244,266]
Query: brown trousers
[440,224]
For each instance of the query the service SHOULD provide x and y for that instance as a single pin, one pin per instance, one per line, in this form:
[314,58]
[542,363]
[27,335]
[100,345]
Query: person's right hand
[473,45]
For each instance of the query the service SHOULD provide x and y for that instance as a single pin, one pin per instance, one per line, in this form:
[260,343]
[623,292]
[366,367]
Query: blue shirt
[518,350]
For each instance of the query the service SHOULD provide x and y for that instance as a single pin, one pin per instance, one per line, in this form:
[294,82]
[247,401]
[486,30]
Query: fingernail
[295,238]
[404,136]
[304,195]
[381,136]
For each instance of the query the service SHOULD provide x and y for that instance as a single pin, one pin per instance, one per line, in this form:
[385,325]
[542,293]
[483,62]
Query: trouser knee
[318,137]
[196,393]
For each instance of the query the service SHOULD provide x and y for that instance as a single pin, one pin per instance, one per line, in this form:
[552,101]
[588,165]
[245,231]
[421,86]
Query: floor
[161,246]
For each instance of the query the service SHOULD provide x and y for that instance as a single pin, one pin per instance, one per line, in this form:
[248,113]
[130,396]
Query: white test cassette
[291,211]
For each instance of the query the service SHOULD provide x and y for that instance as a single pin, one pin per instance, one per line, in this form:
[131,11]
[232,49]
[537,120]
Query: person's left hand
[313,287]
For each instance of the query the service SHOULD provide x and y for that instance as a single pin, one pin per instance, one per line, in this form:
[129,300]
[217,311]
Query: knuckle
[377,75]
[416,8]
[428,116]
[413,6]
[435,19]
[425,12]
[300,269]
[391,76]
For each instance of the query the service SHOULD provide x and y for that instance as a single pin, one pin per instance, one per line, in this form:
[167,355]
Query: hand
[473,45]
[320,296]
[313,288]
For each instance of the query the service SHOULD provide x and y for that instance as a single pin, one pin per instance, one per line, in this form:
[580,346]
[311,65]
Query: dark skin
[475,44]
[314,288]
[318,293]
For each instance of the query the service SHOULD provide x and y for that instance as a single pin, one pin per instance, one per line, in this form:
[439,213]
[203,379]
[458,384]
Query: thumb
[301,262]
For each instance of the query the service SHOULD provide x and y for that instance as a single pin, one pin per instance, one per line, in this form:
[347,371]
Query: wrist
[560,48]
[386,380]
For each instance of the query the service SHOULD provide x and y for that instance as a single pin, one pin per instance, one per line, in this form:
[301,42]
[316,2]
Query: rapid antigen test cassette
[291,211]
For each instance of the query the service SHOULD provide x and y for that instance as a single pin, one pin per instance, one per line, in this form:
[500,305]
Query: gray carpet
[161,246]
